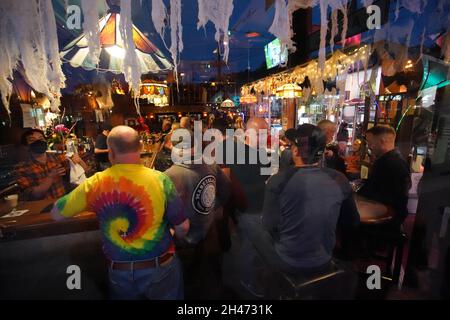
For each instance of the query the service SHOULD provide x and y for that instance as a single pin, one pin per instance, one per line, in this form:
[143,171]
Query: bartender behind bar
[40,176]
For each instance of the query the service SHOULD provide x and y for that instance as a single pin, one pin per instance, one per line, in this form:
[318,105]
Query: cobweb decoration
[159,17]
[282,26]
[219,13]
[334,28]
[323,33]
[344,12]
[10,57]
[415,6]
[91,30]
[28,34]
[131,67]
[55,75]
[176,32]
[397,10]
[102,86]
[335,5]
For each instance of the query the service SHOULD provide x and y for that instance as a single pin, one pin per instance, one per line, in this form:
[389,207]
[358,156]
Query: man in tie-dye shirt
[138,211]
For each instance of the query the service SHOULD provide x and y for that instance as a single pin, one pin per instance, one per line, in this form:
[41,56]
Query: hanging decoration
[131,67]
[414,6]
[91,30]
[282,26]
[103,92]
[282,23]
[28,34]
[10,57]
[151,59]
[159,17]
[176,35]
[307,77]
[219,13]
[248,99]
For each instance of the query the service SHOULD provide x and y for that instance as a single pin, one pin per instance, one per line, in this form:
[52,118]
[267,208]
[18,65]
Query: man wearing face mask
[40,176]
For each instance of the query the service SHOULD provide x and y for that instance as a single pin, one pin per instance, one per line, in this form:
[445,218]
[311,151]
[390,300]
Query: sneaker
[259,293]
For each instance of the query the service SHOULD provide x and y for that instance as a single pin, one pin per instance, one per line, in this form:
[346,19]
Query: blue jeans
[159,283]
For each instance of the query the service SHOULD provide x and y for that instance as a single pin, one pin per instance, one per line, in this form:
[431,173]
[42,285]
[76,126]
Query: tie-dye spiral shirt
[135,207]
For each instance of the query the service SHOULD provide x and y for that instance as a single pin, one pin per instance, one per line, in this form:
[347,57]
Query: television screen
[274,56]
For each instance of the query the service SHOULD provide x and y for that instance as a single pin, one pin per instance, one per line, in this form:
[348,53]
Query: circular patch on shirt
[204,195]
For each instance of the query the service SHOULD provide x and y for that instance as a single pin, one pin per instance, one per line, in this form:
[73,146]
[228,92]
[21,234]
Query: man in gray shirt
[302,208]
[203,188]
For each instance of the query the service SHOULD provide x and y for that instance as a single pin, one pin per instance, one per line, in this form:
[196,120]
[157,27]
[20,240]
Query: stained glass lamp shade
[112,52]
[290,90]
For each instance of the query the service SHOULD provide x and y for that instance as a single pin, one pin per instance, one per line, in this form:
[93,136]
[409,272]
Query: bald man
[139,212]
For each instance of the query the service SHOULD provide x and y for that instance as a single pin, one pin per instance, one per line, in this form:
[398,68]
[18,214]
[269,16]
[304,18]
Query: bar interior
[224,149]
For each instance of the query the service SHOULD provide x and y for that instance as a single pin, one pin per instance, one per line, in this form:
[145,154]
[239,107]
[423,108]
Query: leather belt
[137,265]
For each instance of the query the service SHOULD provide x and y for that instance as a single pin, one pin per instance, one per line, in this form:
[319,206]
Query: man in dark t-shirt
[389,179]
[302,207]
[304,204]
[101,148]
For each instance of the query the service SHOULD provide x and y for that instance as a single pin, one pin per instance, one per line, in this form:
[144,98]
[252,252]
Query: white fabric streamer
[282,26]
[91,29]
[323,33]
[28,34]
[10,57]
[397,10]
[219,13]
[176,32]
[414,6]
[131,66]
[334,28]
[159,17]
[344,24]
[55,75]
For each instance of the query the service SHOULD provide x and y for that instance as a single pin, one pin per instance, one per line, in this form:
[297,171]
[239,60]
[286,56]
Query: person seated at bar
[101,148]
[332,158]
[139,211]
[41,175]
[390,178]
[303,205]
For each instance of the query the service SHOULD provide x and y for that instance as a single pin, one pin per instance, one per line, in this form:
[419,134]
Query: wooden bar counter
[36,252]
[37,222]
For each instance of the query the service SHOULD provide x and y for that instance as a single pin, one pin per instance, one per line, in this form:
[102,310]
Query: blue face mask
[38,146]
